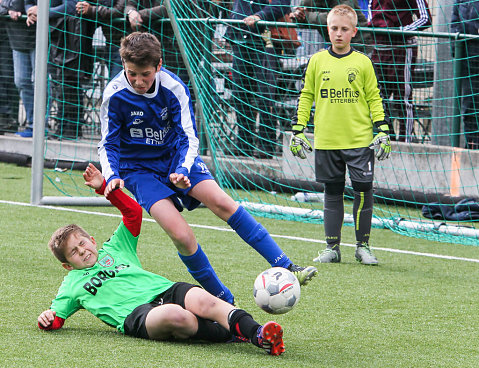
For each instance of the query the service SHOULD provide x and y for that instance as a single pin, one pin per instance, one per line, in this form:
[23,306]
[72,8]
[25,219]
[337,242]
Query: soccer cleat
[303,274]
[238,340]
[329,255]
[270,338]
[365,255]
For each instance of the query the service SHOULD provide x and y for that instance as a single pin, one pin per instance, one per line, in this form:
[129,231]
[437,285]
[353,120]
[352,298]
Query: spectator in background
[465,19]
[395,55]
[8,95]
[22,42]
[254,76]
[142,14]
[364,5]
[104,12]
[316,12]
[71,63]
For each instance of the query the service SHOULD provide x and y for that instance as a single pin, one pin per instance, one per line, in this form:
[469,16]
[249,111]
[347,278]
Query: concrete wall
[411,167]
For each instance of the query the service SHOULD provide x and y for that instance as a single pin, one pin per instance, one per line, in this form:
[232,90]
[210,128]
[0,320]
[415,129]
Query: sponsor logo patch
[106,261]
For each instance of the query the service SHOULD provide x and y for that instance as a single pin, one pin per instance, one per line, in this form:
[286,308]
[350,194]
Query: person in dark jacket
[22,42]
[254,75]
[71,63]
[395,55]
[143,16]
[316,12]
[106,14]
[8,95]
[465,19]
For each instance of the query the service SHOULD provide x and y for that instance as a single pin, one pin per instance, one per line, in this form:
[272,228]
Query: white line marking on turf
[296,238]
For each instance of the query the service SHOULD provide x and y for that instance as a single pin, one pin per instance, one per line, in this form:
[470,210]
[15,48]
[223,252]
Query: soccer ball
[276,290]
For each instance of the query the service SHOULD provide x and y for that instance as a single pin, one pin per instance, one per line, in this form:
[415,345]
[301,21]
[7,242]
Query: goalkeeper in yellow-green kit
[343,85]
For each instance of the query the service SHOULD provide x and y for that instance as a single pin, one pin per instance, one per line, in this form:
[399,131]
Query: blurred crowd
[256,51]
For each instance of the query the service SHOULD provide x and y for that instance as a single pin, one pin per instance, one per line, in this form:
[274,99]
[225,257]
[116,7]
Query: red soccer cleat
[270,338]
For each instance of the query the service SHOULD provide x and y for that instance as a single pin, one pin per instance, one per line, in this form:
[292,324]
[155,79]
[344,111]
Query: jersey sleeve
[307,95]
[64,303]
[423,16]
[56,324]
[373,95]
[129,208]
[109,146]
[184,121]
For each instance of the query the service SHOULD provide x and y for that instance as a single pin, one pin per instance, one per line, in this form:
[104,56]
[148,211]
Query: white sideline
[296,238]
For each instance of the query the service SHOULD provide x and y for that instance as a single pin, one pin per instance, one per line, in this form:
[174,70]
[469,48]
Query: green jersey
[344,89]
[114,286]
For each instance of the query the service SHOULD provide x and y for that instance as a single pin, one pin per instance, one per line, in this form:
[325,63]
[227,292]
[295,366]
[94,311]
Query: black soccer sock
[333,218]
[363,213]
[211,331]
[242,324]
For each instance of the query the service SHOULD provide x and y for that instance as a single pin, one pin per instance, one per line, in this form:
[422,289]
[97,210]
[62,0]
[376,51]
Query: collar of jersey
[339,56]
[147,93]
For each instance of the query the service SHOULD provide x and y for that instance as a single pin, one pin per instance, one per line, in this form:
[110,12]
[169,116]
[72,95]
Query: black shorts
[330,165]
[134,324]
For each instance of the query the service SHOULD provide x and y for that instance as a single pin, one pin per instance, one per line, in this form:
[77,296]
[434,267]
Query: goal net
[245,82]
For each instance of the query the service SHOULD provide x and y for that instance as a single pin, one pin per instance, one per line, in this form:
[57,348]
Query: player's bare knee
[205,302]
[223,206]
[178,319]
[185,242]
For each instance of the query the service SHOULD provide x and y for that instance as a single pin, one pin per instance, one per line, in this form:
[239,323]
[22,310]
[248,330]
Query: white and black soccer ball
[276,290]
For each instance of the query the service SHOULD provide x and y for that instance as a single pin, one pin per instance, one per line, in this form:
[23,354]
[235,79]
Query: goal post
[245,94]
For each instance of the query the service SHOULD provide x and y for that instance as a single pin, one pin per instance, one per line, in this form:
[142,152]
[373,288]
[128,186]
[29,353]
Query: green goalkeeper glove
[382,142]
[299,144]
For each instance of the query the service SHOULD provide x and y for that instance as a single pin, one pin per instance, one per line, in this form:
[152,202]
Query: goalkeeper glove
[382,142]
[299,144]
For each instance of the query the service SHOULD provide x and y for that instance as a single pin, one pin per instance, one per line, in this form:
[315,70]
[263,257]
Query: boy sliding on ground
[111,284]
[343,85]
[150,145]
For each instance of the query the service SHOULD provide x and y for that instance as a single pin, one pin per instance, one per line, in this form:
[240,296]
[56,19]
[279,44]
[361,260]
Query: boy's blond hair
[344,10]
[59,239]
[141,48]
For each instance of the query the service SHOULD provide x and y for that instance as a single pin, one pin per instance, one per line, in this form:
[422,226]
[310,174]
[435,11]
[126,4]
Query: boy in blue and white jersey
[150,145]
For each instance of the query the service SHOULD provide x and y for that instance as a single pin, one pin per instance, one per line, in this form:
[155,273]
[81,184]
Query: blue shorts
[149,186]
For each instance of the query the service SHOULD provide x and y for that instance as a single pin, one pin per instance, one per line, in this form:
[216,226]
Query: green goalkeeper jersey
[114,286]
[344,89]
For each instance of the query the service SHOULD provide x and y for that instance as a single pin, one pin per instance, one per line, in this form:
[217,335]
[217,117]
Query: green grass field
[412,310]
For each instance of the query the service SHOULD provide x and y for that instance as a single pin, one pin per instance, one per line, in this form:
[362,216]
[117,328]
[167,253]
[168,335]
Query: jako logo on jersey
[136,113]
[137,121]
[97,281]
[106,261]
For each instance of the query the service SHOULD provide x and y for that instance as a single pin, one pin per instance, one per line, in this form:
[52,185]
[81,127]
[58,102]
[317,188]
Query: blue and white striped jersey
[147,129]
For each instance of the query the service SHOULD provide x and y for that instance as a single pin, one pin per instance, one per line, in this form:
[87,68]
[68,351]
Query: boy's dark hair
[141,48]
[59,240]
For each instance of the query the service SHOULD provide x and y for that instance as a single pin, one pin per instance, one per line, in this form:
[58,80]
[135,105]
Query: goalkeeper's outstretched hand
[299,144]
[383,143]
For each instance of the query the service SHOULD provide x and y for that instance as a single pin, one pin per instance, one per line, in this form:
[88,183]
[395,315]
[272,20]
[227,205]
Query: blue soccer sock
[200,268]
[253,233]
